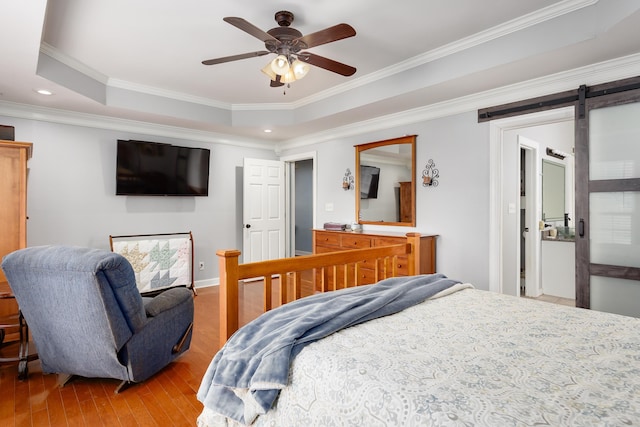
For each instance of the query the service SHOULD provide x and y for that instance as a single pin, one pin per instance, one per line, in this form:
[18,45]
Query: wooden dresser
[13,209]
[330,241]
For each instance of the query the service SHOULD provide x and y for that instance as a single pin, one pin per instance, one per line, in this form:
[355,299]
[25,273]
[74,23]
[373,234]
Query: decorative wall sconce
[430,174]
[347,181]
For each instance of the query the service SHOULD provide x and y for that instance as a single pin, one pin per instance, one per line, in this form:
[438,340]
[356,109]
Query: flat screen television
[369,178]
[154,169]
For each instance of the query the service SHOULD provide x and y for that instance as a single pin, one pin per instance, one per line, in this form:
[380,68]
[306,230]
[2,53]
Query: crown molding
[163,93]
[504,29]
[603,72]
[45,114]
[619,68]
[73,63]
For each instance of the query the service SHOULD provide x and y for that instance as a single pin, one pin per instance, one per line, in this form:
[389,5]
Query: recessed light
[44,92]
[267,131]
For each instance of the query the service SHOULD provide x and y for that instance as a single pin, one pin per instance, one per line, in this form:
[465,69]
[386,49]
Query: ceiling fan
[291,63]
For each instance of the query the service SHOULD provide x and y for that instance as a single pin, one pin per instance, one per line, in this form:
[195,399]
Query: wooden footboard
[343,264]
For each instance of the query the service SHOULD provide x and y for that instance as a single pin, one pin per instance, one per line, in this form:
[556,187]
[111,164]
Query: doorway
[300,196]
[505,198]
[302,207]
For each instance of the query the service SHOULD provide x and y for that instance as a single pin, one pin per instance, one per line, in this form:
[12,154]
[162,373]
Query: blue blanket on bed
[246,375]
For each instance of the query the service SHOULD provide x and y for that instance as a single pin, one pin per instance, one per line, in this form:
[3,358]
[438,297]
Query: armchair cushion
[166,300]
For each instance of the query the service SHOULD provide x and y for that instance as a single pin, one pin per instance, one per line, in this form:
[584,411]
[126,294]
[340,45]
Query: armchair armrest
[166,300]
[165,335]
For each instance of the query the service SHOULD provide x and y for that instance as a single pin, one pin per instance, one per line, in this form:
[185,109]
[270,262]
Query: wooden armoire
[13,208]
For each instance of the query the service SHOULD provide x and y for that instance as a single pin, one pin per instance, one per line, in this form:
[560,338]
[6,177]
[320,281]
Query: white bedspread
[470,358]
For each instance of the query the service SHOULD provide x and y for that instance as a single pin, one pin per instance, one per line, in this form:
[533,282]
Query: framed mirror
[553,191]
[385,182]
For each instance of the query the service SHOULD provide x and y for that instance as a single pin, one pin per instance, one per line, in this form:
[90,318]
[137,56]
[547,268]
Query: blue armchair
[87,317]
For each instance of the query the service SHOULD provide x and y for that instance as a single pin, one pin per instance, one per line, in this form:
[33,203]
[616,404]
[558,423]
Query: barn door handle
[581,228]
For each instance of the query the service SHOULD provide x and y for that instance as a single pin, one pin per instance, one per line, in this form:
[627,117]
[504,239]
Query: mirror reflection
[385,185]
[553,189]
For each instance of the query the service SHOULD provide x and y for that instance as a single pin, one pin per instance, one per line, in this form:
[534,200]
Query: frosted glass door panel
[614,142]
[615,295]
[615,228]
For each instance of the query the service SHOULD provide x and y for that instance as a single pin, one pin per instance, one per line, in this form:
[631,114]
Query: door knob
[247,225]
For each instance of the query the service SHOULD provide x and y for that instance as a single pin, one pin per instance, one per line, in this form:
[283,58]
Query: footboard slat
[268,305]
[297,285]
[383,258]
[283,288]
[324,286]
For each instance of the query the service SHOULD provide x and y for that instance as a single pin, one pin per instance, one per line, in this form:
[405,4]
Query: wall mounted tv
[155,169]
[369,178]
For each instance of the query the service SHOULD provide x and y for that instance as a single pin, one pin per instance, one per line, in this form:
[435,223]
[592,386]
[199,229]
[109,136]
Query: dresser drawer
[328,239]
[355,241]
[388,241]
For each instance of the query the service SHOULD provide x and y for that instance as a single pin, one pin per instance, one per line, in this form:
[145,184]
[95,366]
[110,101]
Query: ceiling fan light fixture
[269,71]
[289,77]
[280,65]
[300,69]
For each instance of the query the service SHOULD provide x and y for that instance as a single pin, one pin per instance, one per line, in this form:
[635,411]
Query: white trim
[164,93]
[619,68]
[495,202]
[603,72]
[199,284]
[45,114]
[73,63]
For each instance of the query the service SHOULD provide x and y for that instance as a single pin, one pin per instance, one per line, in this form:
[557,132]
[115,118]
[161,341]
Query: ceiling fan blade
[327,64]
[276,82]
[249,28]
[235,57]
[328,35]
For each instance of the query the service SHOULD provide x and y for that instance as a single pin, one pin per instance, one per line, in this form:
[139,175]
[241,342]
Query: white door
[264,210]
[530,202]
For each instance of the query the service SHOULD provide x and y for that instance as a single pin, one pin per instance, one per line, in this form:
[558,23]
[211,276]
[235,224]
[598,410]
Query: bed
[461,357]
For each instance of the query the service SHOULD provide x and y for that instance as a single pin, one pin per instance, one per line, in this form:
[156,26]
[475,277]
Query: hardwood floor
[557,300]
[166,399]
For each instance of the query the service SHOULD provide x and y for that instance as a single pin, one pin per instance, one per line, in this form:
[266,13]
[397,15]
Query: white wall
[457,210]
[71,193]
[72,185]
